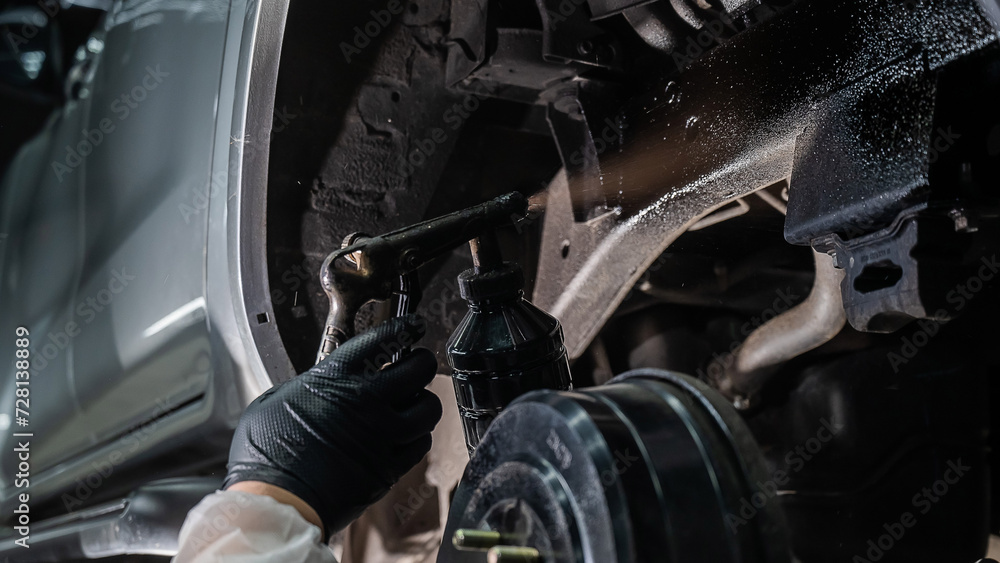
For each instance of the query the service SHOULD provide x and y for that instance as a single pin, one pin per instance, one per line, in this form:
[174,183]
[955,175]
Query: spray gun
[376,268]
[503,347]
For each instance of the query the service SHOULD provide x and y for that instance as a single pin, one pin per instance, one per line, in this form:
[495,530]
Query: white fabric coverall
[234,526]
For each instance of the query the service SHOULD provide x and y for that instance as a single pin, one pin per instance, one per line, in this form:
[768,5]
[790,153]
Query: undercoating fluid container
[503,348]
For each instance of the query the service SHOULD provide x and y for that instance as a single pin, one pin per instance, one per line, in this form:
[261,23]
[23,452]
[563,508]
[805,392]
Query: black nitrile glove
[341,434]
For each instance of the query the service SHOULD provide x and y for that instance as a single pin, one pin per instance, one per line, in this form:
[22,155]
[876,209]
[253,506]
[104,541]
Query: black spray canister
[504,347]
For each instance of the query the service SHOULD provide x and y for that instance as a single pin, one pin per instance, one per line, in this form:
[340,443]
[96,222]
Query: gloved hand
[341,434]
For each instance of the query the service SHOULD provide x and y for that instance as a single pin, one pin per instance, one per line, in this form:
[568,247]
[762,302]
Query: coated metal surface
[906,271]
[718,132]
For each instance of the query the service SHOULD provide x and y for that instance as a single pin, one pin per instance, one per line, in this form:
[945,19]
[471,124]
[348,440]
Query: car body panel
[109,258]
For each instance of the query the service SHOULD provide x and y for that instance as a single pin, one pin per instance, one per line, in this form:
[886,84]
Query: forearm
[280,495]
[241,524]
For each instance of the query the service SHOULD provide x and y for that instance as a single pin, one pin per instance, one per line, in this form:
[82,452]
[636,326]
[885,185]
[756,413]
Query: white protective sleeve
[233,526]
